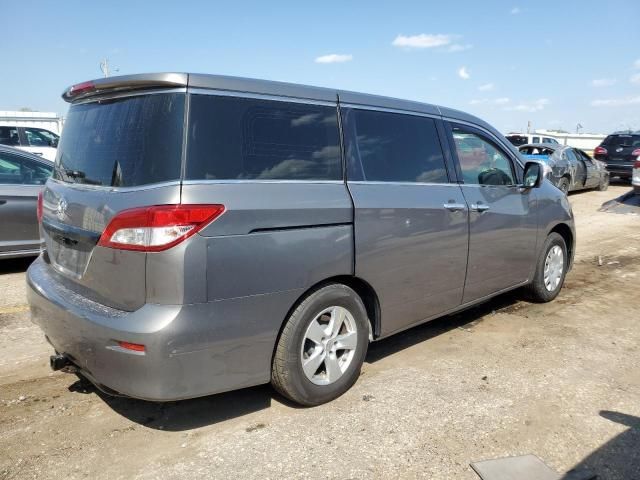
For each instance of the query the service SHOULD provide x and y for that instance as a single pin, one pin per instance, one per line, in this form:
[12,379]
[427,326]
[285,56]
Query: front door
[411,222]
[580,175]
[502,223]
[593,173]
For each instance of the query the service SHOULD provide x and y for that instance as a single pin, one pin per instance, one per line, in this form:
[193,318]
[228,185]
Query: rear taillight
[157,228]
[636,164]
[636,153]
[600,151]
[81,88]
[39,207]
[136,347]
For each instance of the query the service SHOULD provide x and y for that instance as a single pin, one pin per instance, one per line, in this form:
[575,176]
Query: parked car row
[176,256]
[37,141]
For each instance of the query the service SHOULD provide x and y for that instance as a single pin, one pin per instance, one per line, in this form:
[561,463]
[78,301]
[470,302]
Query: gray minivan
[207,233]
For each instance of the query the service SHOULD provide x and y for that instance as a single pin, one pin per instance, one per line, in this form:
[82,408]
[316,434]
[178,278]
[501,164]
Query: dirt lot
[560,380]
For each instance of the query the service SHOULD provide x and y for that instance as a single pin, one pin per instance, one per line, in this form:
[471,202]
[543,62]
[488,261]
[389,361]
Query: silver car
[568,168]
[206,233]
[22,176]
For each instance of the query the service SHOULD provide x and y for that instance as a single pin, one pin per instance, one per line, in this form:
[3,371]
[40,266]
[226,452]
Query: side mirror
[54,143]
[533,175]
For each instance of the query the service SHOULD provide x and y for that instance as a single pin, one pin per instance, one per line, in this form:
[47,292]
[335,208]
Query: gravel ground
[560,380]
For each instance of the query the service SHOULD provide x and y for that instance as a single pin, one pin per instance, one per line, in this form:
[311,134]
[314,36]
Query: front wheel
[322,346]
[550,270]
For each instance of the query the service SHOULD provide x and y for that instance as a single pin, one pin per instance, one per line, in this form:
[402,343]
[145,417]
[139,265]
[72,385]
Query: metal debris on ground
[525,467]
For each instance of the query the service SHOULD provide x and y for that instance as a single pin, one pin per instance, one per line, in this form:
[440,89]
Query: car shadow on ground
[199,412]
[465,320]
[619,458]
[627,203]
[15,265]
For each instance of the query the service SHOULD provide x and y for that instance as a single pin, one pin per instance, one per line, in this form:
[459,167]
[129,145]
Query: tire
[563,185]
[539,290]
[604,184]
[338,369]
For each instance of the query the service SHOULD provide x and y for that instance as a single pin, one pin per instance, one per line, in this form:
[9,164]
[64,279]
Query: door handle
[454,207]
[479,207]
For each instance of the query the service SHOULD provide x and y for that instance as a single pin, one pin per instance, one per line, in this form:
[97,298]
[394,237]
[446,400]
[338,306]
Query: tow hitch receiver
[61,362]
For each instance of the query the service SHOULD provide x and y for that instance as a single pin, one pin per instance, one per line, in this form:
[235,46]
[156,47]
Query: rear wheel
[322,346]
[550,270]
[563,185]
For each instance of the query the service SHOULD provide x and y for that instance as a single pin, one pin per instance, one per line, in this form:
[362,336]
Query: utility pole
[528,127]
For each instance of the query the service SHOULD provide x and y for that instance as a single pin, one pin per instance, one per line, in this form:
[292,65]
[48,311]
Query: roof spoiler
[124,83]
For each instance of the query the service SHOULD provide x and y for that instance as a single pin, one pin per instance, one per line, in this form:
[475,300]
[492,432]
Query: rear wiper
[81,176]
[75,173]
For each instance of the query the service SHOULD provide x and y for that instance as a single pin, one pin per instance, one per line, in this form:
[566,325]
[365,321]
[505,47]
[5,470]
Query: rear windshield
[124,142]
[622,141]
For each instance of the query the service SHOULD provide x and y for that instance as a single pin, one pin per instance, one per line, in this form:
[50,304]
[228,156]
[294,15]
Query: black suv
[619,151]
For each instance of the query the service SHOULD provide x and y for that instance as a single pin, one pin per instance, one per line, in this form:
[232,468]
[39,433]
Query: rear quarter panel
[274,236]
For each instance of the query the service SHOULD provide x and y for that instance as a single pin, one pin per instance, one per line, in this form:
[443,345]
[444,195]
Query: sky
[555,63]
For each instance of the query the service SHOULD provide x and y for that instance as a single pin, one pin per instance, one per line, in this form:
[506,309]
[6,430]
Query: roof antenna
[104,66]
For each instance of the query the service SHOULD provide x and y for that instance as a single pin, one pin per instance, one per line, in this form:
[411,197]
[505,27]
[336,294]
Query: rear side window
[232,138]
[392,147]
[9,136]
[123,142]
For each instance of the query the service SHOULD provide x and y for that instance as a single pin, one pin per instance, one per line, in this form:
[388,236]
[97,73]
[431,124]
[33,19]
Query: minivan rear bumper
[190,350]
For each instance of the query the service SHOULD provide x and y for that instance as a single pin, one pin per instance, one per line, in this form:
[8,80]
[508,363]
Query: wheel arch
[364,290]
[565,232]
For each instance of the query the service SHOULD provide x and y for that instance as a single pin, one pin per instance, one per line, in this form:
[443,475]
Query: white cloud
[334,58]
[534,106]
[615,102]
[457,47]
[635,79]
[490,101]
[486,87]
[463,73]
[515,10]
[424,40]
[603,82]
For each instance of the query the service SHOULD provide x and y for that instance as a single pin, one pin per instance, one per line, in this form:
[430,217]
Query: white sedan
[37,141]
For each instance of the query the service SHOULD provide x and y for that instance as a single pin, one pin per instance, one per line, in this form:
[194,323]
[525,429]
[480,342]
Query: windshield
[123,142]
